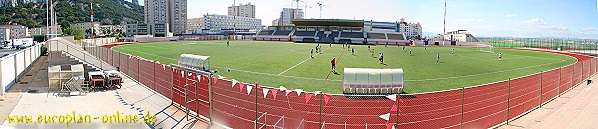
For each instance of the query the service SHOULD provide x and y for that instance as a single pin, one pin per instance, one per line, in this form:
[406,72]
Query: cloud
[469,20]
[538,24]
[511,15]
[590,28]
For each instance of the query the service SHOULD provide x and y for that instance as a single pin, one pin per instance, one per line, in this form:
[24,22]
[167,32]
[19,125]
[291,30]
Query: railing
[59,44]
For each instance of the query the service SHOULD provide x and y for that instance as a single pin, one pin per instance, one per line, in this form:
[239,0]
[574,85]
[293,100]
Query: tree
[77,32]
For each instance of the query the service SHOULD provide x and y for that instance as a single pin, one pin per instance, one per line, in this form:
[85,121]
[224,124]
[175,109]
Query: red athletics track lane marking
[339,58]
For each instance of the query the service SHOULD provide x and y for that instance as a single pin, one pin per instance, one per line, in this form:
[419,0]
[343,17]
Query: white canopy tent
[195,62]
[372,81]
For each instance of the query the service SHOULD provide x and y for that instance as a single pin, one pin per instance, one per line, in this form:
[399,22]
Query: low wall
[15,65]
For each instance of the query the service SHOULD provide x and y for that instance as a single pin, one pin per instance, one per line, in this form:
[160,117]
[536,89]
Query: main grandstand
[330,31]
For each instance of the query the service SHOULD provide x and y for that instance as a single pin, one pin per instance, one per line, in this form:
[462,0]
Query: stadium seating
[376,35]
[305,33]
[352,34]
[395,36]
[266,32]
[282,32]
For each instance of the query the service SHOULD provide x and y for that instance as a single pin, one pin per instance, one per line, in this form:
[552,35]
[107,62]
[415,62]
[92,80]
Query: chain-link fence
[247,105]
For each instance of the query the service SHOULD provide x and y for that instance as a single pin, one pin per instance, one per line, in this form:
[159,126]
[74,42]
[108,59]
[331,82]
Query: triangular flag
[256,85]
[215,80]
[249,89]
[163,66]
[287,92]
[182,73]
[265,90]
[204,77]
[282,88]
[317,92]
[274,92]
[307,97]
[234,82]
[394,108]
[298,91]
[326,98]
[193,76]
[241,86]
[385,116]
[389,126]
[221,77]
[392,97]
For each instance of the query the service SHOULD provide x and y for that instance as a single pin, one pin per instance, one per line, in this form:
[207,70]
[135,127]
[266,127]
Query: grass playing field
[289,64]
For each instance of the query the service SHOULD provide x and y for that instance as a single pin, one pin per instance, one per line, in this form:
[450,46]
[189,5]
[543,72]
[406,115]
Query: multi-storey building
[16,31]
[288,14]
[243,10]
[171,12]
[214,23]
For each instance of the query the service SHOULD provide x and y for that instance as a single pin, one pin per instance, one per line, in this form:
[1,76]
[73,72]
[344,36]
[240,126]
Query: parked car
[20,47]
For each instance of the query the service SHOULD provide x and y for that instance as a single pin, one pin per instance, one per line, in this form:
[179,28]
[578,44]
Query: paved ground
[576,109]
[132,100]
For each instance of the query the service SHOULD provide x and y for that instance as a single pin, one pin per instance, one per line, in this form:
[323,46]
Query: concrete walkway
[34,99]
[576,109]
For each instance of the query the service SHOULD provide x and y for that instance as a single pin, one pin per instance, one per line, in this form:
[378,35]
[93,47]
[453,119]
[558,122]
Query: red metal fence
[234,106]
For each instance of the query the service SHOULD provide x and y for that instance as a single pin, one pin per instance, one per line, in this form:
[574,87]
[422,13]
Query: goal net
[485,48]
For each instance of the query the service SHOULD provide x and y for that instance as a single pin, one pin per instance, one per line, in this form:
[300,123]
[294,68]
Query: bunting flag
[392,97]
[193,76]
[385,116]
[163,66]
[307,97]
[282,88]
[221,77]
[390,126]
[182,73]
[215,80]
[265,90]
[274,92]
[256,85]
[241,86]
[249,89]
[395,108]
[234,83]
[317,92]
[204,77]
[298,91]
[326,98]
[287,92]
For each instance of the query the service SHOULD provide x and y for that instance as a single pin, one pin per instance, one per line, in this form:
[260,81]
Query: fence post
[560,79]
[210,100]
[541,74]
[572,75]
[154,64]
[256,106]
[321,96]
[508,99]
[462,105]
[398,108]
[139,63]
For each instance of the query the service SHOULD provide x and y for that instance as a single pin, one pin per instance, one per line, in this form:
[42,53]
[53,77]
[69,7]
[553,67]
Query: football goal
[485,48]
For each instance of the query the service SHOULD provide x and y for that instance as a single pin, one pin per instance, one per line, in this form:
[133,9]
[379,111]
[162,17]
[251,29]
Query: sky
[482,18]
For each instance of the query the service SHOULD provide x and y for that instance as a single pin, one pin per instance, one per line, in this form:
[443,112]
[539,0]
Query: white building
[16,31]
[219,23]
[155,30]
[411,30]
[13,3]
[460,35]
[171,12]
[4,34]
[288,14]
[43,30]
[243,10]
[275,22]
[194,25]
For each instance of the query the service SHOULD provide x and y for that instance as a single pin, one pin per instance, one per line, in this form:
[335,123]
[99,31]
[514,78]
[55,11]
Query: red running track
[474,107]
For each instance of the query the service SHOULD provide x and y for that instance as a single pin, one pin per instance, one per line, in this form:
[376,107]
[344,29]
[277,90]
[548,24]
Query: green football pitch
[287,64]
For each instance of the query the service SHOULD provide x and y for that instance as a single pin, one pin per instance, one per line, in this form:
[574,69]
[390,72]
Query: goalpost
[485,48]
